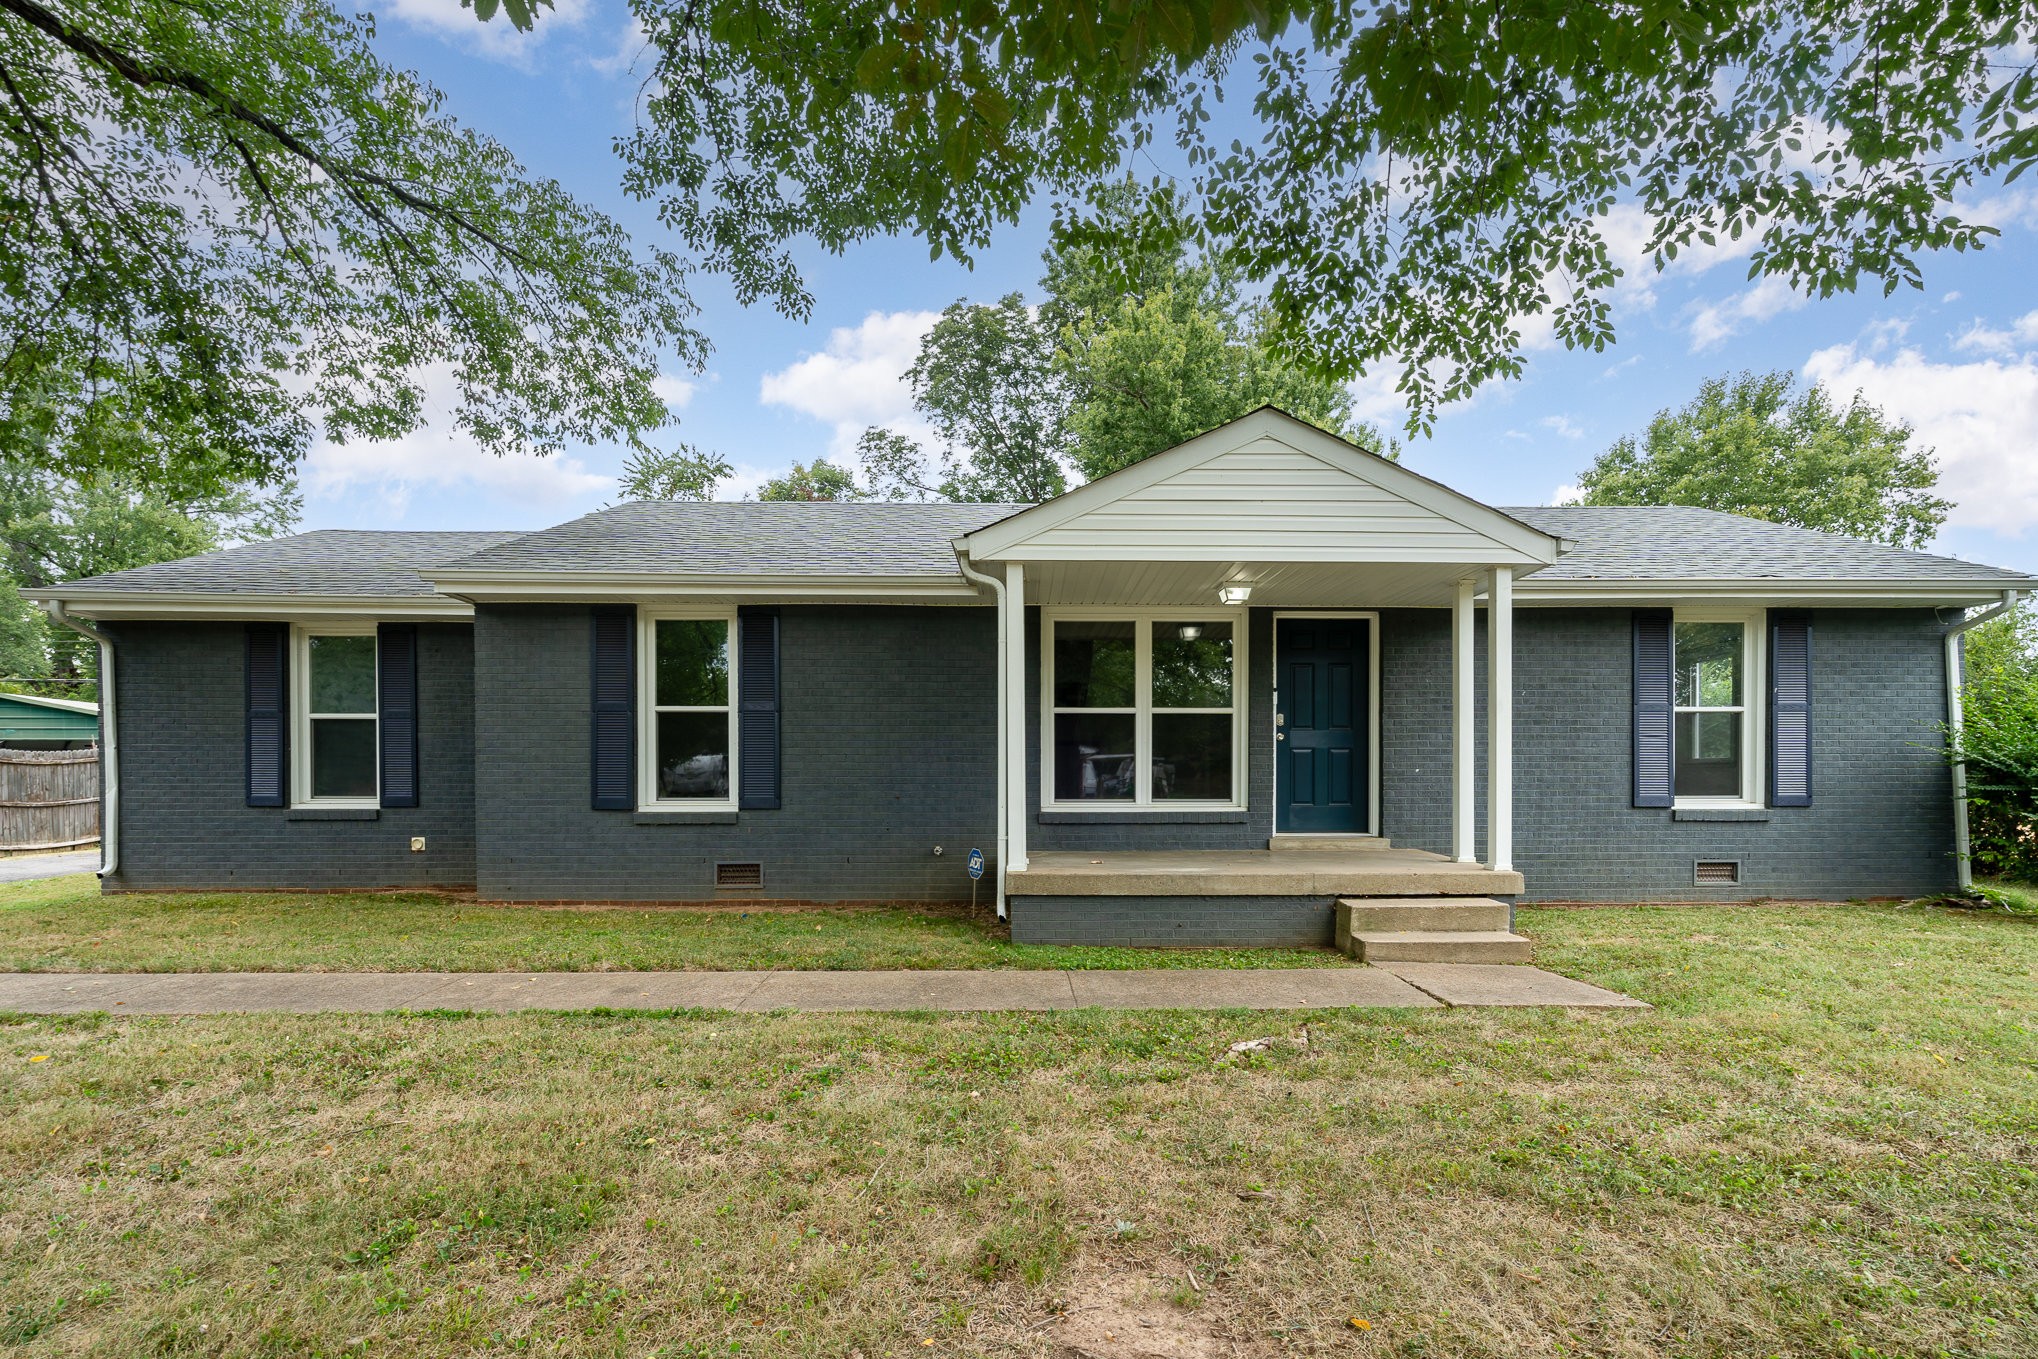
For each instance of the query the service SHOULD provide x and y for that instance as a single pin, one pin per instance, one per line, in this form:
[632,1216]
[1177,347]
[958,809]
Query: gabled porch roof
[1269,500]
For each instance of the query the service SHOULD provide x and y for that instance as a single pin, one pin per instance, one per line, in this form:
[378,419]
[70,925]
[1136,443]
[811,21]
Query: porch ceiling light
[1234,594]
[1189,632]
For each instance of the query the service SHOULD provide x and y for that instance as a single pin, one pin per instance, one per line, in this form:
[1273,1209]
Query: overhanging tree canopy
[1414,180]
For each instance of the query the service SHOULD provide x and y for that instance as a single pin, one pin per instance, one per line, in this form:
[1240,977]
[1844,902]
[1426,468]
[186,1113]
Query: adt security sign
[976,864]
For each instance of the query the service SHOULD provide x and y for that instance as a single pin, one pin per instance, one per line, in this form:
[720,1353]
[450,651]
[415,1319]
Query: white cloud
[1567,495]
[676,392]
[1562,425]
[1715,322]
[498,37]
[1374,398]
[631,45]
[428,459]
[1979,416]
[859,380]
[1982,338]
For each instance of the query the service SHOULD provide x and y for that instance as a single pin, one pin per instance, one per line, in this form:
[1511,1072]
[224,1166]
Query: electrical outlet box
[417,844]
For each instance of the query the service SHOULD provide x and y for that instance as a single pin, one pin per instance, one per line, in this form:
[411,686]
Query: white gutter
[1956,729]
[1004,830]
[109,743]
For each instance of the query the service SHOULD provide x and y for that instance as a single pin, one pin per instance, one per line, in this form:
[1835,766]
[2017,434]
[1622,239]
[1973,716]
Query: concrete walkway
[28,867]
[1406,985]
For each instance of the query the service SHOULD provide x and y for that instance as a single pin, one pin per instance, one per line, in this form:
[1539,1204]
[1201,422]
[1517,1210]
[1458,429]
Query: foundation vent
[739,875]
[1716,873]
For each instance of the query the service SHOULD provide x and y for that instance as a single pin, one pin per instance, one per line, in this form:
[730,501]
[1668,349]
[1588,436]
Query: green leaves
[1754,445]
[1424,178]
[522,13]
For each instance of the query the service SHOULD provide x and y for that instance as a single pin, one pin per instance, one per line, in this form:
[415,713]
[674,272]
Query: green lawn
[64,925]
[1824,1141]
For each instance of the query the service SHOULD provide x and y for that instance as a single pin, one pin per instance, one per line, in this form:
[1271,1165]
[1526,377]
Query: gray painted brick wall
[888,728]
[184,818]
[1175,922]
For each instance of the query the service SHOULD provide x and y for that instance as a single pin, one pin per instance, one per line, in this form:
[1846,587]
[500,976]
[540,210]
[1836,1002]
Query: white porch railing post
[1013,620]
[1464,727]
[1500,719]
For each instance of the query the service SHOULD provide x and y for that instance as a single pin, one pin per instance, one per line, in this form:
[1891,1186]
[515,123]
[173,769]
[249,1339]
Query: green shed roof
[30,717]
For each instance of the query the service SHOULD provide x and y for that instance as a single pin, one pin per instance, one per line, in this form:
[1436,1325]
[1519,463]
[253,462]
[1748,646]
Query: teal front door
[1320,735]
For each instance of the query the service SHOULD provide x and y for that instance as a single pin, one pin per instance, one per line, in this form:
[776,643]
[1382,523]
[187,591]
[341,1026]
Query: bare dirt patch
[1121,1314]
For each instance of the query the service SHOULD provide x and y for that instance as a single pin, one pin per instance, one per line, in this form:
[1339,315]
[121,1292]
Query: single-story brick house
[1137,699]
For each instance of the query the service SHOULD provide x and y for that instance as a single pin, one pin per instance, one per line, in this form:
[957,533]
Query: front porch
[1324,874]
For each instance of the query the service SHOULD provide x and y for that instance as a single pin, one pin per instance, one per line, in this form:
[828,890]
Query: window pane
[343,757]
[693,755]
[342,674]
[1191,665]
[1192,757]
[1093,757]
[1708,754]
[1708,665]
[693,662]
[1093,666]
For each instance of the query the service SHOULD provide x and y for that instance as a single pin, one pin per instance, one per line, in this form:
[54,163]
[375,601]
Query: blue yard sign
[976,864]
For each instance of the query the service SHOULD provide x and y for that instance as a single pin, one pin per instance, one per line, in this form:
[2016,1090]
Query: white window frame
[1754,689]
[1142,621]
[301,715]
[648,709]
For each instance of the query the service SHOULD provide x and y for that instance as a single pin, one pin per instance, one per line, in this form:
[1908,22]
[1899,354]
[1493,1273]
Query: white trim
[1464,725]
[542,586]
[1500,721]
[1006,537]
[1372,826]
[1753,706]
[1142,710]
[266,608]
[1779,591]
[648,709]
[301,716]
[1013,623]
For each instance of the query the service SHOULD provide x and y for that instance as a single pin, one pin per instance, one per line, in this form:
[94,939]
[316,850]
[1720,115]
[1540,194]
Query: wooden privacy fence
[49,799]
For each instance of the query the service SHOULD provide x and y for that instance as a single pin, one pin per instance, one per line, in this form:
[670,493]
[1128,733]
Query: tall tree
[1409,182]
[1755,445]
[236,214]
[818,480]
[678,473]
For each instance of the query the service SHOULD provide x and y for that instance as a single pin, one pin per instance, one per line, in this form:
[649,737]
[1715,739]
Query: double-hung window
[1143,709]
[1713,665]
[689,711]
[335,684]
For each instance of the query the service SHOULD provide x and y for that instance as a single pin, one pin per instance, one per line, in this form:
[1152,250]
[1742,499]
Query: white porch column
[1018,809]
[1500,719]
[1464,767]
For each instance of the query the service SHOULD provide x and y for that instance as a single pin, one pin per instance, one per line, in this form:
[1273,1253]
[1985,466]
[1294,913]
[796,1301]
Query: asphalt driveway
[28,867]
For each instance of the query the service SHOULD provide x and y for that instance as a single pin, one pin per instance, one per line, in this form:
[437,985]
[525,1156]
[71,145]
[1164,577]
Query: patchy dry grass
[1824,1142]
[65,925]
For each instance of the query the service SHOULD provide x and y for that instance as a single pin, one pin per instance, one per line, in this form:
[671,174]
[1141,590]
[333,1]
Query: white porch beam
[1500,720]
[1464,727]
[1012,618]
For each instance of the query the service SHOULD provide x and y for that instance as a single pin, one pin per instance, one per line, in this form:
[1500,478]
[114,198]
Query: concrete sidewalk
[1406,985]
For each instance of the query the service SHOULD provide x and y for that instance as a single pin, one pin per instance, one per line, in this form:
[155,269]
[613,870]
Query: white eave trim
[1868,593]
[138,606]
[570,586]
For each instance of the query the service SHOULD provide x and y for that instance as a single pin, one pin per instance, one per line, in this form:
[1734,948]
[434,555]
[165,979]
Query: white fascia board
[141,607]
[996,541]
[554,587]
[1861,593]
[1395,557]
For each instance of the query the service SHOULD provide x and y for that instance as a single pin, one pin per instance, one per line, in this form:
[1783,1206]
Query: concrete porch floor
[1260,873]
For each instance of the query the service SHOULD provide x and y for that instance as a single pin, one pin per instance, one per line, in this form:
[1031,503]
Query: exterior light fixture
[1189,632]
[1234,594]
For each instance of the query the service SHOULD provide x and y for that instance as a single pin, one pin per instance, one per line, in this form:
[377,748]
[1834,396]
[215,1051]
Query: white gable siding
[1265,501]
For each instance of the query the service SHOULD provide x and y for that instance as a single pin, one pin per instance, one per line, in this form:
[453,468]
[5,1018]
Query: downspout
[997,587]
[109,742]
[1956,728]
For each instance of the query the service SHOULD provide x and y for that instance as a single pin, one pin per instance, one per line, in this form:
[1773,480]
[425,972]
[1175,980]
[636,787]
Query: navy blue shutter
[613,746]
[1655,727]
[268,704]
[757,721]
[396,707]
[1790,709]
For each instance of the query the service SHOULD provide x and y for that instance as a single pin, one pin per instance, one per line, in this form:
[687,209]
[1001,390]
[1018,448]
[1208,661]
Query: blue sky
[1959,360]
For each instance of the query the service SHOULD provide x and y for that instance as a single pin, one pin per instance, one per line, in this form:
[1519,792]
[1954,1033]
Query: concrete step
[1357,915]
[1342,844]
[1440,946]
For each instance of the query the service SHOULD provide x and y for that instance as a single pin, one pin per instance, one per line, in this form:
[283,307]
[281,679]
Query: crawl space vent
[739,875]
[1716,873]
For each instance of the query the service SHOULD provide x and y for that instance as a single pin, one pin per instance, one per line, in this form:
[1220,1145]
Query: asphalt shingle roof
[1614,543]
[368,563]
[1678,542]
[788,538]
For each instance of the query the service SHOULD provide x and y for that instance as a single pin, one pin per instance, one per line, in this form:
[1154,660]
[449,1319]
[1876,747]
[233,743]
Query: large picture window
[690,704]
[1143,709]
[336,716]
[1713,661]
